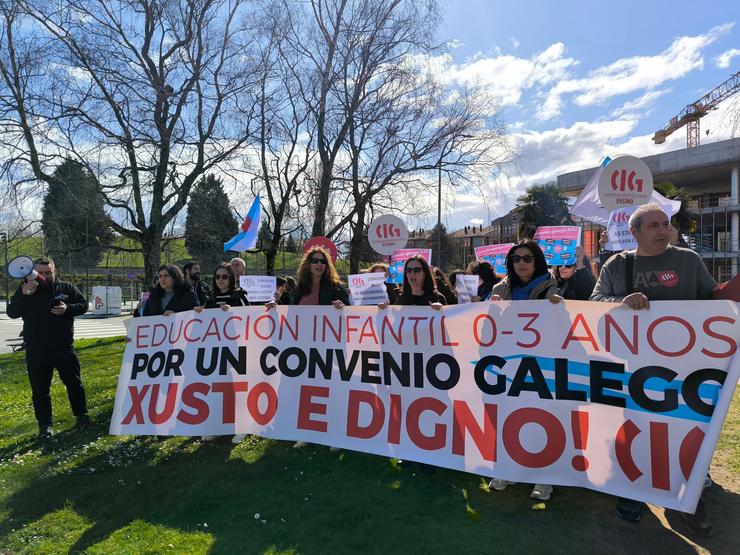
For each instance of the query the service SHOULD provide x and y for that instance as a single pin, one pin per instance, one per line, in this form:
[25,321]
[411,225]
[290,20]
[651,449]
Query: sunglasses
[318,261]
[414,270]
[222,276]
[569,266]
[527,258]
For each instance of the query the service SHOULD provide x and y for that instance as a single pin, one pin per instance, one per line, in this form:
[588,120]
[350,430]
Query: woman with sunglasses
[225,293]
[317,282]
[576,281]
[171,293]
[527,278]
[419,286]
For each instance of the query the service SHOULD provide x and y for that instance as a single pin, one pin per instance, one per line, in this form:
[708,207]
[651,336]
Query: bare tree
[155,93]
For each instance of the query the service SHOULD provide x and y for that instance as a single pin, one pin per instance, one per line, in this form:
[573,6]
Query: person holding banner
[655,271]
[225,292]
[576,281]
[317,281]
[171,294]
[527,278]
[419,286]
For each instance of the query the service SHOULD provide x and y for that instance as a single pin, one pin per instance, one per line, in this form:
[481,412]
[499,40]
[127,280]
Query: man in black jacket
[191,271]
[48,307]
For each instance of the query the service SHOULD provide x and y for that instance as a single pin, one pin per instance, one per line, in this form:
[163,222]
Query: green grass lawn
[94,493]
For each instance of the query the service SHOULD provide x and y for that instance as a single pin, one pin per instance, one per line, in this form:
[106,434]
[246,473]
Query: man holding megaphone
[48,306]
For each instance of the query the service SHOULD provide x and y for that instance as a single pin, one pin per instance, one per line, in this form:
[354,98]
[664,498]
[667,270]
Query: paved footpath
[86,326]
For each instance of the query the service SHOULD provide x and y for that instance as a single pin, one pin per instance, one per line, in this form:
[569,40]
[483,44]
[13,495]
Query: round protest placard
[626,181]
[323,242]
[387,234]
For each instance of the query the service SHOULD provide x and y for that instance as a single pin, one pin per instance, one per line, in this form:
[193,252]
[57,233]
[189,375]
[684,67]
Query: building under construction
[710,175]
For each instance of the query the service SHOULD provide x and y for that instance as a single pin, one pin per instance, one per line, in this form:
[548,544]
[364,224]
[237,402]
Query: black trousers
[41,363]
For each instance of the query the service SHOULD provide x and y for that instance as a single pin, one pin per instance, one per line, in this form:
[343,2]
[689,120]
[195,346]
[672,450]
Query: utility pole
[4,239]
[439,216]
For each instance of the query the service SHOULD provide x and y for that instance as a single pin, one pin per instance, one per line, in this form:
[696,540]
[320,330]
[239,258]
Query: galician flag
[246,238]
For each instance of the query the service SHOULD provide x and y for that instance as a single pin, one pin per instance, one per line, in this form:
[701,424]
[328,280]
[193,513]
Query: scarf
[522,293]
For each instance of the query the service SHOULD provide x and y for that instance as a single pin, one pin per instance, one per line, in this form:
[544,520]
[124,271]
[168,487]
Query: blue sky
[580,80]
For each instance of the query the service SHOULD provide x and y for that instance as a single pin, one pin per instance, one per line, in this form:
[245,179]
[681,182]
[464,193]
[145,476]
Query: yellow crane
[691,115]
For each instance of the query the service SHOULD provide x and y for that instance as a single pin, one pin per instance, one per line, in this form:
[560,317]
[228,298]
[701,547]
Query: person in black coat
[225,293]
[576,281]
[48,307]
[171,294]
[419,286]
[317,282]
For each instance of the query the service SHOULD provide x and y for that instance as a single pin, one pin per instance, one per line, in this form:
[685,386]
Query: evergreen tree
[73,218]
[541,205]
[290,244]
[449,256]
[209,223]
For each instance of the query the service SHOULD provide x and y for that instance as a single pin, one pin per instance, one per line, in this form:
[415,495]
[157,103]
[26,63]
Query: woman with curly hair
[317,281]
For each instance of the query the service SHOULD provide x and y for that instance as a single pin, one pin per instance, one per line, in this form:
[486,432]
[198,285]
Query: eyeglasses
[222,276]
[527,258]
[414,270]
[318,261]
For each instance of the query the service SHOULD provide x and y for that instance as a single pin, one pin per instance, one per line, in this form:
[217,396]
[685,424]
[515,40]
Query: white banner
[466,287]
[259,289]
[368,289]
[579,394]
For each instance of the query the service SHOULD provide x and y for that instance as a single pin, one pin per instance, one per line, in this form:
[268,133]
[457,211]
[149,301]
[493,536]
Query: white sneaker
[238,438]
[541,492]
[207,438]
[500,485]
[300,444]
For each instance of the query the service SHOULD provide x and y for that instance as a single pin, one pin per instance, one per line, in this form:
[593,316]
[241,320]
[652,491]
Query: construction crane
[691,115]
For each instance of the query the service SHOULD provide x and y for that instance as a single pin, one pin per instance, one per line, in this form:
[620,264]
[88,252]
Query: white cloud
[454,43]
[723,60]
[477,221]
[515,42]
[628,75]
[640,103]
[505,77]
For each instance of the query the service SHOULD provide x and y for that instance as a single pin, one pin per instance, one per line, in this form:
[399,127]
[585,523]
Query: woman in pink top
[318,282]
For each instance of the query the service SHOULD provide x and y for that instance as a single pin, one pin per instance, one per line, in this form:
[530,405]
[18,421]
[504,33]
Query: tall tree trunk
[358,234]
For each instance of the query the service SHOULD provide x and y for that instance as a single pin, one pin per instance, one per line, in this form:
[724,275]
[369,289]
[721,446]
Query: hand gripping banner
[583,394]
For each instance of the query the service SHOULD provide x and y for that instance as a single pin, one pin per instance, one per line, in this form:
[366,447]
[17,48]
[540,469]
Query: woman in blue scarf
[527,278]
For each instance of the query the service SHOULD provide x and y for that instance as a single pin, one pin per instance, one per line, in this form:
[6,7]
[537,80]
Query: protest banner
[466,287]
[398,260]
[559,243]
[495,254]
[367,289]
[259,289]
[625,181]
[582,394]
[387,234]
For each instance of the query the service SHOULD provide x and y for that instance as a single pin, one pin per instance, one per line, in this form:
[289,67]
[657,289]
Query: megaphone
[21,267]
